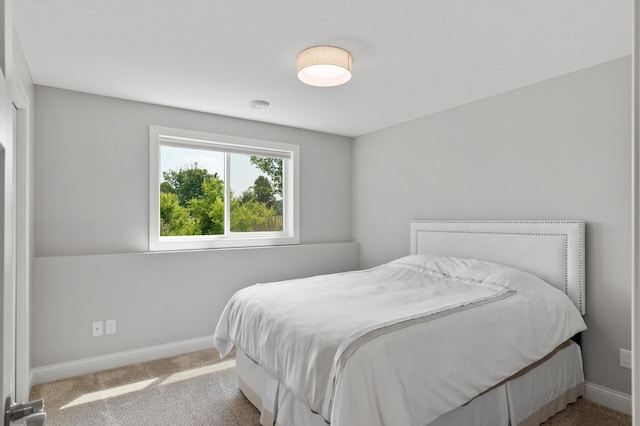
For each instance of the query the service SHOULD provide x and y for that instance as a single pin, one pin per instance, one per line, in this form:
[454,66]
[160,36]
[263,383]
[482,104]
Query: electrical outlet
[625,358]
[111,327]
[96,328]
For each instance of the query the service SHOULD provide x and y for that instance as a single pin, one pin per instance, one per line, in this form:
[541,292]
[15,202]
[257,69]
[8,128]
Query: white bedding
[524,400]
[459,327]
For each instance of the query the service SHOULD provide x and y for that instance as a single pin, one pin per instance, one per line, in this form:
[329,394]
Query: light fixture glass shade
[324,66]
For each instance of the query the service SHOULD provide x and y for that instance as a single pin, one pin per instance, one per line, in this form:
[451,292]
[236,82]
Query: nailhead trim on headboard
[580,243]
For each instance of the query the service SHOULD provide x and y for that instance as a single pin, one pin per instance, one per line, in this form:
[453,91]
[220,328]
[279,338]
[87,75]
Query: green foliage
[247,196]
[254,216]
[263,191]
[187,183]
[166,187]
[174,219]
[272,167]
[208,208]
[192,203]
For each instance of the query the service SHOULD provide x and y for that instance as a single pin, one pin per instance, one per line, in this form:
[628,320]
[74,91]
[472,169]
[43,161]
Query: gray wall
[92,172]
[91,228]
[557,149]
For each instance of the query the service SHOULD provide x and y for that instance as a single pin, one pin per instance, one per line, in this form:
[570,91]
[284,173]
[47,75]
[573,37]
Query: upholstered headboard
[551,249]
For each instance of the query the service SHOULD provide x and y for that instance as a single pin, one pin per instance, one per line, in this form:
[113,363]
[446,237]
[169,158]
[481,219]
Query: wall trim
[49,373]
[608,397]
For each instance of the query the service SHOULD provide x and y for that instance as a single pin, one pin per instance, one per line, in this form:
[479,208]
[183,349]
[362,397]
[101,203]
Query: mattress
[527,398]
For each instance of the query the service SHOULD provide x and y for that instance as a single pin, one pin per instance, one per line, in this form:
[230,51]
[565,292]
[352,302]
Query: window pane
[191,191]
[256,193]
[217,191]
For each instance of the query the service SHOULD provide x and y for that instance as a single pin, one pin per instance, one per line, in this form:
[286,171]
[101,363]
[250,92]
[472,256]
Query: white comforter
[399,344]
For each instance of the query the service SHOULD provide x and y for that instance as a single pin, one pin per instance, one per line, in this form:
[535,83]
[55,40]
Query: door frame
[635,217]
[23,166]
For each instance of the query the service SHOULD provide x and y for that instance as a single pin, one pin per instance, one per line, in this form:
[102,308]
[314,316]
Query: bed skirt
[529,398]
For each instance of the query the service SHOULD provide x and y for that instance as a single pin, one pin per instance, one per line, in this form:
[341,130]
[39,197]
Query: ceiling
[410,58]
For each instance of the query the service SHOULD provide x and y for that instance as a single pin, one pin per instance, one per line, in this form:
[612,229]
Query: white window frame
[159,135]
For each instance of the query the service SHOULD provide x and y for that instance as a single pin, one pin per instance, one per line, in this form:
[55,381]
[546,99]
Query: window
[210,191]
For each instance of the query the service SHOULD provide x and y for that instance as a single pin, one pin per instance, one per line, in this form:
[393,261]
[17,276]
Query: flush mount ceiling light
[324,66]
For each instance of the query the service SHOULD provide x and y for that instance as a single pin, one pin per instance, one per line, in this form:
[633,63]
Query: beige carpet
[197,390]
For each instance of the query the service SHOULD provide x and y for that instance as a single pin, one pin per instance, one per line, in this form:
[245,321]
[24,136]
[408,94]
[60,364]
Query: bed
[472,327]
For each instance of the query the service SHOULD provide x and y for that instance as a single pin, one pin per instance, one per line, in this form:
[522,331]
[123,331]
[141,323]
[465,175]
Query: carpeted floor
[197,390]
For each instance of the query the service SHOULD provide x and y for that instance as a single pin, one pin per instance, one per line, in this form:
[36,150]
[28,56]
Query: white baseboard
[49,373]
[608,397]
